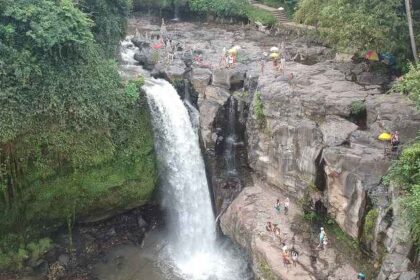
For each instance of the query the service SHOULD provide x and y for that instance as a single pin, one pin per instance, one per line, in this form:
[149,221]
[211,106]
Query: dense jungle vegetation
[73,138]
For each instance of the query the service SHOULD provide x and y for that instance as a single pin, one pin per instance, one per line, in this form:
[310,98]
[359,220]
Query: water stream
[230,151]
[192,246]
[188,247]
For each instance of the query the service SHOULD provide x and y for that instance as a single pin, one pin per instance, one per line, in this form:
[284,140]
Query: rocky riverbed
[309,133]
[91,244]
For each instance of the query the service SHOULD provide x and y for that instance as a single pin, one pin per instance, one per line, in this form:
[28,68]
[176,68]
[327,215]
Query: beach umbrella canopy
[385,136]
[274,55]
[233,51]
[372,56]
[274,49]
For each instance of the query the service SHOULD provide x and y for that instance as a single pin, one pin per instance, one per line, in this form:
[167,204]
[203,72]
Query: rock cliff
[315,141]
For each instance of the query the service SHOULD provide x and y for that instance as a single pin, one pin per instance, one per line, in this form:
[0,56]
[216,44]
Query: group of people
[229,57]
[287,254]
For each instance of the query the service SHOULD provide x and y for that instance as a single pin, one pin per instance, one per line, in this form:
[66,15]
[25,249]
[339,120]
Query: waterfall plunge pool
[188,248]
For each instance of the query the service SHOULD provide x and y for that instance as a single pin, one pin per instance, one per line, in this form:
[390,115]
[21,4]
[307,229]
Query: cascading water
[192,247]
[231,139]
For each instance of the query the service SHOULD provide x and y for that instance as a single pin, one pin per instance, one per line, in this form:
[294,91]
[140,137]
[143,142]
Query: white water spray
[193,247]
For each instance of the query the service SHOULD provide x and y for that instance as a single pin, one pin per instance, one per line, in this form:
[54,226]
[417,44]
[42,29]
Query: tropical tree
[411,30]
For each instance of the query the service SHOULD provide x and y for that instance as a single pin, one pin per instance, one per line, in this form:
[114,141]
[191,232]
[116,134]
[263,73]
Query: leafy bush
[14,260]
[288,5]
[406,173]
[370,222]
[221,8]
[259,109]
[110,18]
[72,140]
[357,108]
[265,17]
[410,84]
[357,26]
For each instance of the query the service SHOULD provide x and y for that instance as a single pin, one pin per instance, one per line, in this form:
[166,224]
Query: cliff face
[310,134]
[313,135]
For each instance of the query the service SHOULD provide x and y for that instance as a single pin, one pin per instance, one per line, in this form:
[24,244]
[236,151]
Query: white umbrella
[274,49]
[281,9]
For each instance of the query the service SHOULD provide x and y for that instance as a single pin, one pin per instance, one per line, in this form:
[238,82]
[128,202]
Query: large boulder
[351,172]
[146,58]
[230,78]
[200,79]
[209,103]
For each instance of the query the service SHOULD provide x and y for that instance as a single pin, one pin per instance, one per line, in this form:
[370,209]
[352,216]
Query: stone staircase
[278,14]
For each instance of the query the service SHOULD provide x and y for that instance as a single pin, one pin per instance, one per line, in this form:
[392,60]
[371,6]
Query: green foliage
[110,21]
[265,17]
[405,172]
[73,139]
[370,222]
[221,8]
[156,4]
[410,84]
[259,109]
[357,26]
[288,5]
[265,270]
[310,216]
[14,260]
[357,108]
[132,89]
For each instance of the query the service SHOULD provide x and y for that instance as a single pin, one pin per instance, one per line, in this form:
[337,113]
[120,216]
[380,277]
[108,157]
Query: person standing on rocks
[295,255]
[278,206]
[269,227]
[321,238]
[361,276]
[282,65]
[286,206]
[262,65]
[286,260]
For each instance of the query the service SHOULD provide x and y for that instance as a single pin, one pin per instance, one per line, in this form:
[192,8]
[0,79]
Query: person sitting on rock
[286,260]
[395,141]
[286,206]
[269,227]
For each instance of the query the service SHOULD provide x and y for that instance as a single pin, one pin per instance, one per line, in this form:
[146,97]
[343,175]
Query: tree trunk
[410,27]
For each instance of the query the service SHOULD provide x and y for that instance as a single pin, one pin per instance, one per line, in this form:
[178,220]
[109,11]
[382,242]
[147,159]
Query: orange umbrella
[372,56]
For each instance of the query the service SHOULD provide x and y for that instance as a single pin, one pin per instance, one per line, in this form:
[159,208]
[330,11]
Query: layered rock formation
[316,138]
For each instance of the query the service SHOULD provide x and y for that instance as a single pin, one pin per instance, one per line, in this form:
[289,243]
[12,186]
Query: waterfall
[230,153]
[192,244]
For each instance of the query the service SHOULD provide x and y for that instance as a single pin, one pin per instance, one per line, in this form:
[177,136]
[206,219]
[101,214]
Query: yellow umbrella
[274,55]
[385,136]
[233,51]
